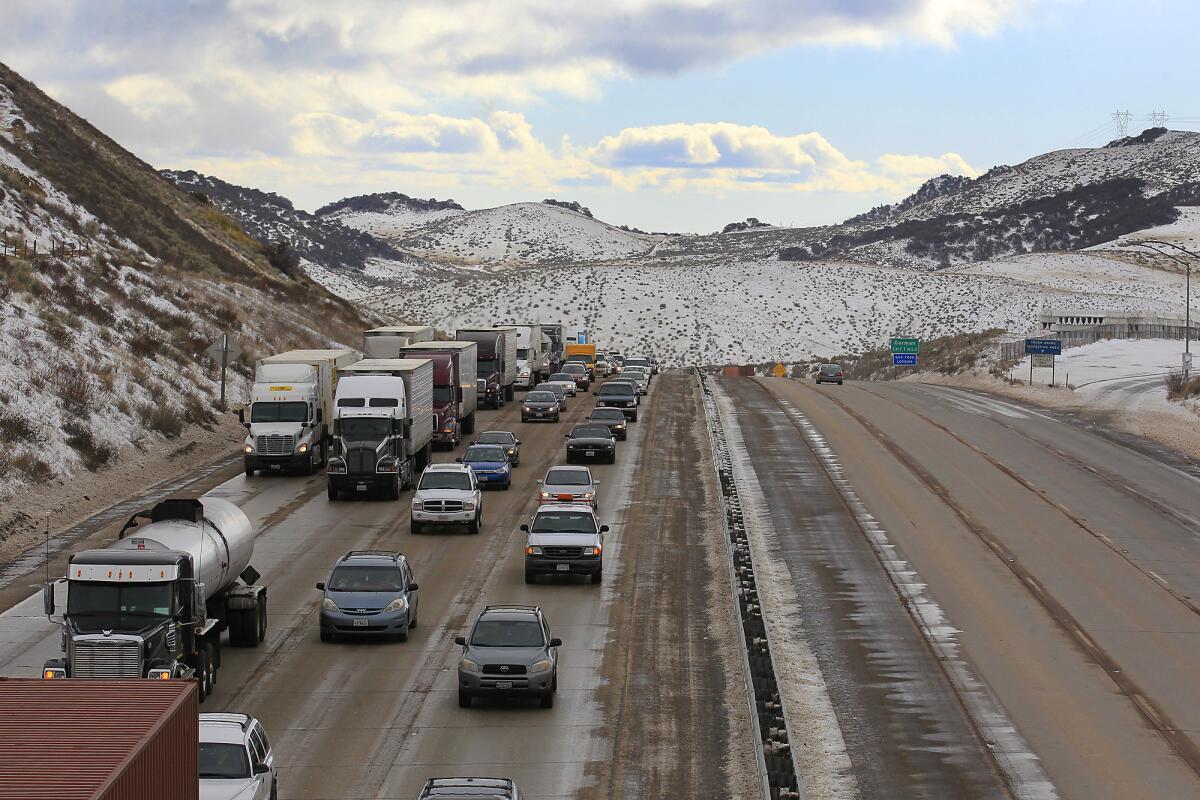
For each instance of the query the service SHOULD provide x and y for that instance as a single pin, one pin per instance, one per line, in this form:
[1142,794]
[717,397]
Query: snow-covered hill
[524,233]
[388,215]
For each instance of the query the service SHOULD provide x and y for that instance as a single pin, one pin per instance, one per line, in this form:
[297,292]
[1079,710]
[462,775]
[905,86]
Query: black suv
[509,653]
[619,394]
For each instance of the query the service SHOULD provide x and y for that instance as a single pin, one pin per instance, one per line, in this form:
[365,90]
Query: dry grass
[1180,388]
[162,418]
[948,355]
[93,453]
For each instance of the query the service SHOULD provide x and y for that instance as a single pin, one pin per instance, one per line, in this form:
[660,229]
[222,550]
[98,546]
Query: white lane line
[818,746]
[1020,765]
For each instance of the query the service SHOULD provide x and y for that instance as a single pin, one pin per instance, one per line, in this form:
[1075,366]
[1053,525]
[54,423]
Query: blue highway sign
[904,359]
[1044,347]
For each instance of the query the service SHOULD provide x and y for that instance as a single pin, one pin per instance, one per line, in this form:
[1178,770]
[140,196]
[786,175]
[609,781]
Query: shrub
[15,427]
[32,467]
[197,412]
[94,454]
[162,418]
[1175,383]
[76,390]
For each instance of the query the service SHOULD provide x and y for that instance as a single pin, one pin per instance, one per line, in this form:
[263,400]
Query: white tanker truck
[154,604]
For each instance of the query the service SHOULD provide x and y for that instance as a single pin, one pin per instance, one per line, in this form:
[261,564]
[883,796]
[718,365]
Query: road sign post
[223,351]
[904,351]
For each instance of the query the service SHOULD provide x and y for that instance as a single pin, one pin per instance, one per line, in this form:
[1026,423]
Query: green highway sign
[906,346]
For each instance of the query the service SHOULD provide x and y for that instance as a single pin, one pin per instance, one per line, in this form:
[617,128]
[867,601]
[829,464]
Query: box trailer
[455,395]
[290,405]
[387,341]
[99,739]
[382,427]
[497,360]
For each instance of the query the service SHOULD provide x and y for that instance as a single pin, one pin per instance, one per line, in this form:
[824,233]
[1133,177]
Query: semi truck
[455,396]
[382,427]
[386,342]
[290,406]
[532,356]
[155,603]
[497,361]
[554,356]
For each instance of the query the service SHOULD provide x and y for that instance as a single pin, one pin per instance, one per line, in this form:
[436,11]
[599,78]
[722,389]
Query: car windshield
[548,387]
[496,437]
[637,362]
[381,578]
[507,633]
[279,412]
[608,413]
[568,477]
[445,479]
[831,368]
[563,522]
[562,376]
[540,397]
[223,760]
[365,429]
[443,395]
[486,453]
[615,388]
[590,432]
[574,369]
[117,606]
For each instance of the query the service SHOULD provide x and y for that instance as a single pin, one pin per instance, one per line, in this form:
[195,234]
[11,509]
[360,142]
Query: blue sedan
[490,464]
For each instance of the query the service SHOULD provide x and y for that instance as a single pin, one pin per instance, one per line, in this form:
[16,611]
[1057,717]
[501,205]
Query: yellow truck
[584,354]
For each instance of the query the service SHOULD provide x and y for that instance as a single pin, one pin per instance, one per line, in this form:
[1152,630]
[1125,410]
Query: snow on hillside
[391,225]
[1184,232]
[753,312]
[524,233]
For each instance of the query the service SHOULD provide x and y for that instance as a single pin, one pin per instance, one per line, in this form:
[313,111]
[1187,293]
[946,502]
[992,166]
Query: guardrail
[776,766]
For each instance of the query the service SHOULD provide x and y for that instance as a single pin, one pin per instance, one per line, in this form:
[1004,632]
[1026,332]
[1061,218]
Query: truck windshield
[279,412]
[443,395]
[446,480]
[117,606]
[564,522]
[365,429]
[487,366]
[618,388]
[223,760]
[523,353]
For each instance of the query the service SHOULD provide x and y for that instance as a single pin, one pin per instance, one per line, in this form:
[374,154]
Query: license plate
[563,567]
[276,466]
[590,453]
[503,684]
[362,487]
[538,414]
[361,623]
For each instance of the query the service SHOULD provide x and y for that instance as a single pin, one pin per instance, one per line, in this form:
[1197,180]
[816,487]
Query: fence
[1077,338]
[20,248]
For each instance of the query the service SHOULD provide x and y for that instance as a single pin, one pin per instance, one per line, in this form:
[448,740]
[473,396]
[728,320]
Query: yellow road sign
[780,371]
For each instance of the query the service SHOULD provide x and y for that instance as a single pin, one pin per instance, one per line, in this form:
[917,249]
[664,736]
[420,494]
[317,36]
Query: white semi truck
[290,406]
[386,342]
[533,356]
[154,604]
[382,426]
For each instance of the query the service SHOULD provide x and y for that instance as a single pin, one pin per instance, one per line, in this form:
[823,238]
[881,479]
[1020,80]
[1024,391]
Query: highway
[967,598]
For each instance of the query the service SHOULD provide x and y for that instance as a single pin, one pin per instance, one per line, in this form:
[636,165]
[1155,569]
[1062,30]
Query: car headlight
[592,551]
[588,495]
[541,666]
[302,448]
[249,448]
[512,451]
[399,604]
[336,466]
[467,665]
[533,550]
[544,496]
[527,408]
[329,605]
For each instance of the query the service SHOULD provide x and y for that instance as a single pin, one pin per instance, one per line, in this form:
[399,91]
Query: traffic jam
[370,424]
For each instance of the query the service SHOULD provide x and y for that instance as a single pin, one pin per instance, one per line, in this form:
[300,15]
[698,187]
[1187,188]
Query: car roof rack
[393,554]
[512,607]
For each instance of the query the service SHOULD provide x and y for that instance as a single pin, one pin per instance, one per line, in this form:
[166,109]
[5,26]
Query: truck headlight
[302,448]
[533,550]
[468,665]
[588,495]
[249,448]
[591,551]
[469,505]
[399,604]
[54,673]
[544,496]
[417,505]
[388,464]
[336,466]
[329,605]
[540,666]
[159,674]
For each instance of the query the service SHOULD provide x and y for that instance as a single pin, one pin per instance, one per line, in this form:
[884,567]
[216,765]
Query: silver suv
[509,653]
[447,494]
[470,789]
[235,759]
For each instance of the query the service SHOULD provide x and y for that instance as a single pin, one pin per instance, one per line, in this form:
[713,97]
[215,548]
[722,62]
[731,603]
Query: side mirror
[412,587]
[595,483]
[460,640]
[566,436]
[458,395]
[556,642]
[541,483]
[320,416]
[242,415]
[524,528]
[337,427]
[397,427]
[458,461]
[48,599]
[518,441]
[604,529]
[261,769]
[321,585]
[597,394]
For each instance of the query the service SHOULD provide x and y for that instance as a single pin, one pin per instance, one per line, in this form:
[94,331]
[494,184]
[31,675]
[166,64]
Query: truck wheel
[468,424]
[530,577]
[598,576]
[233,621]
[201,669]
[634,417]
[414,527]
[393,490]
[612,458]
[334,493]
[261,619]
[473,525]
[249,472]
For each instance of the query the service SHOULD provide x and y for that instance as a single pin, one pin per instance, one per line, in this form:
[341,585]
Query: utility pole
[1122,119]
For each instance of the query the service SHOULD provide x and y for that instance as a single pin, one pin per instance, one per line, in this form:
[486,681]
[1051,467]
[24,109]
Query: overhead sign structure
[1051,347]
[223,351]
[904,359]
[906,346]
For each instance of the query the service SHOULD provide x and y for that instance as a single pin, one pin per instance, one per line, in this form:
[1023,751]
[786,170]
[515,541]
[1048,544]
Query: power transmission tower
[1158,119]
[1122,119]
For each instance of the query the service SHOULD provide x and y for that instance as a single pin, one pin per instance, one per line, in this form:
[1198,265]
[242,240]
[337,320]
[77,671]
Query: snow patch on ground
[392,224]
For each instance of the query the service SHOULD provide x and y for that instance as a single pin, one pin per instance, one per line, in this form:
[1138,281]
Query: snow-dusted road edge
[1016,760]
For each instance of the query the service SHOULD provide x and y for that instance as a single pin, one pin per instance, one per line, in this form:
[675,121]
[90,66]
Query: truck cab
[370,437]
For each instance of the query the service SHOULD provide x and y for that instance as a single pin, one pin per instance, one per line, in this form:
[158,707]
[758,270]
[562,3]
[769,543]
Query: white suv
[447,494]
[235,759]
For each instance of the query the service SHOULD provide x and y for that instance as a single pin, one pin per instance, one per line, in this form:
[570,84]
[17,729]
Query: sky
[667,115]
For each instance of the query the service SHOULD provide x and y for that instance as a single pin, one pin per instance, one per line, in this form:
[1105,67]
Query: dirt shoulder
[64,503]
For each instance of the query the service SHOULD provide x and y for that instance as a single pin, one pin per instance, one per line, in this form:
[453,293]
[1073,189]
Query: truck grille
[275,445]
[106,659]
[442,505]
[562,551]
[503,669]
[361,461]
